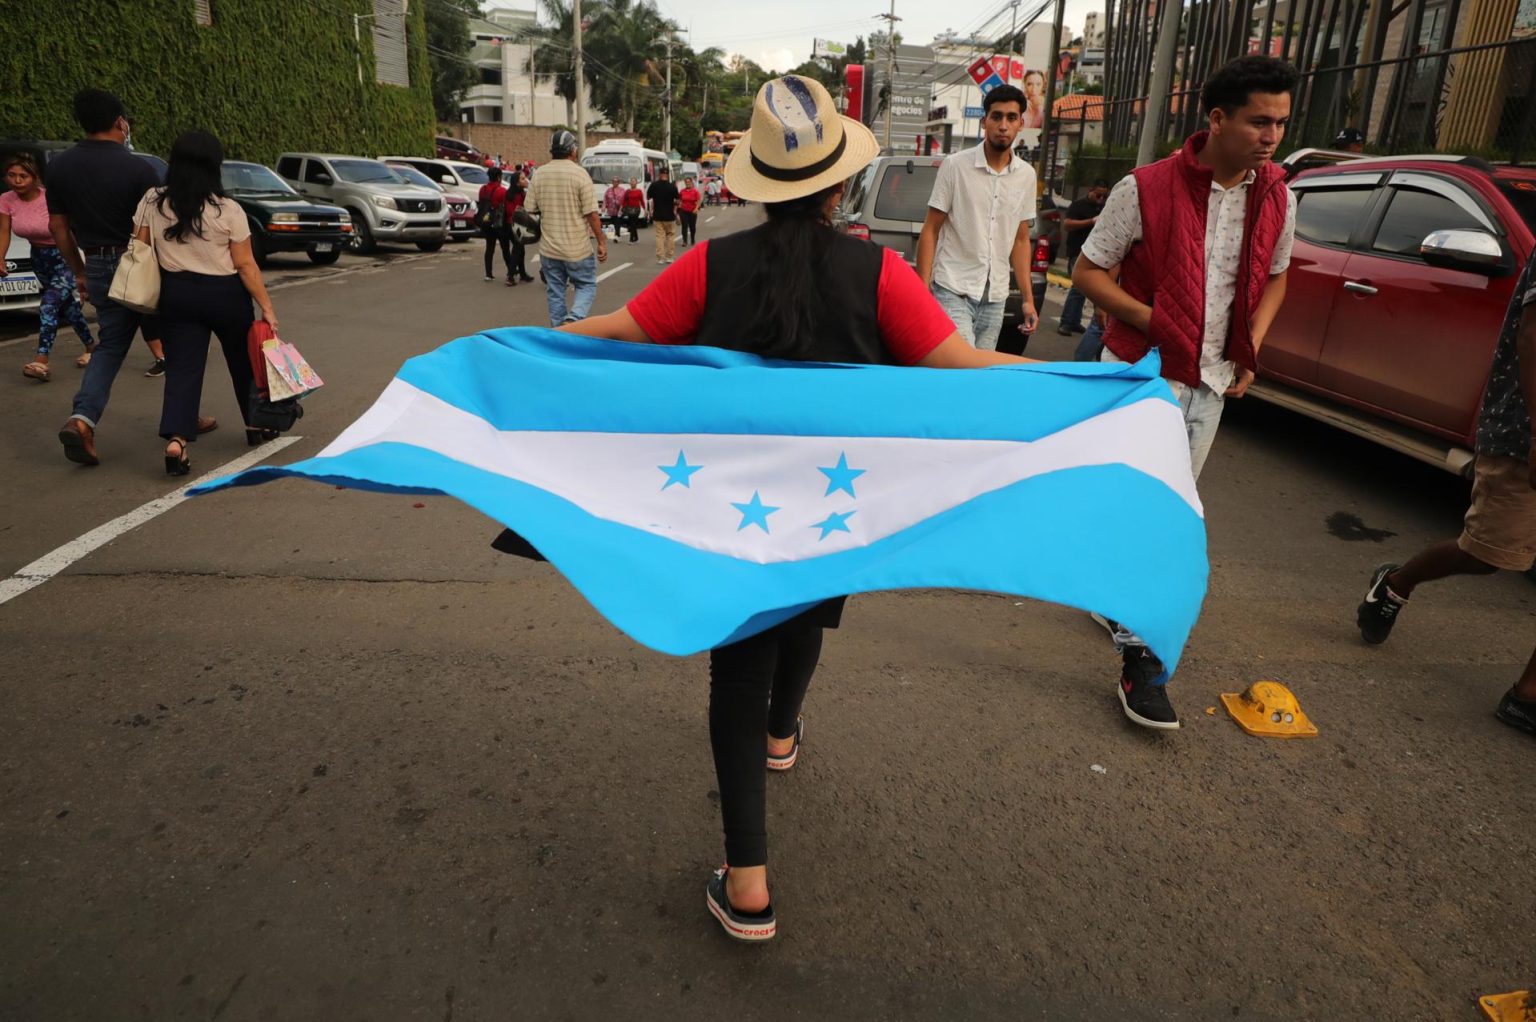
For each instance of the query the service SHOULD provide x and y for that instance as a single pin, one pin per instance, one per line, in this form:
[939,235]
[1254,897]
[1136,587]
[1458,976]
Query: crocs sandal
[787,760]
[37,371]
[84,360]
[744,926]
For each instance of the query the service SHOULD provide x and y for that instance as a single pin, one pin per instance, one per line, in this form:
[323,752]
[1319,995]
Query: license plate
[324,246]
[18,286]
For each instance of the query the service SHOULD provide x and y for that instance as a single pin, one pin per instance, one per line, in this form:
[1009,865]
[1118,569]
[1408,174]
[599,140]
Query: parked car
[887,203]
[461,209]
[465,178]
[1402,272]
[281,219]
[450,148]
[382,207]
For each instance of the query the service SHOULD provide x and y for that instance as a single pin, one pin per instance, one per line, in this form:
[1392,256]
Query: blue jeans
[977,321]
[115,326]
[560,274]
[1092,345]
[1072,307]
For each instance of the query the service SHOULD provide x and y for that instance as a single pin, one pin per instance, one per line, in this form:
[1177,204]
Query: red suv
[1400,278]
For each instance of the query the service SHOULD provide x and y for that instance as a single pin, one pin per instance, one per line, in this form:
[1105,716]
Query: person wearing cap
[1350,140]
[977,226]
[792,288]
[562,196]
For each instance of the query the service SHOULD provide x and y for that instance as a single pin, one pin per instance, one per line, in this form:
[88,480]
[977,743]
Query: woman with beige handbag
[208,278]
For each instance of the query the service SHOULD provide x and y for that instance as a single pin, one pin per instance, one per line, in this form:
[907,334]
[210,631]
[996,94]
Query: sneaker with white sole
[787,760]
[744,926]
[1144,692]
[1517,713]
[1377,613]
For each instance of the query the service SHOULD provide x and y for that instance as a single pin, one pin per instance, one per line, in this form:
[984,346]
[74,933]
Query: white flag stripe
[904,480]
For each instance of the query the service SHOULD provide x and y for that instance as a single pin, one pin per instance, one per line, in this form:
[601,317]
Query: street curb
[1059,280]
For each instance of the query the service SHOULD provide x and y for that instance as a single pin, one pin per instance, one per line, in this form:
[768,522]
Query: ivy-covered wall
[266,77]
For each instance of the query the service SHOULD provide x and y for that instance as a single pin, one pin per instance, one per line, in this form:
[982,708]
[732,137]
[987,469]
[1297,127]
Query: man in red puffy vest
[1202,240]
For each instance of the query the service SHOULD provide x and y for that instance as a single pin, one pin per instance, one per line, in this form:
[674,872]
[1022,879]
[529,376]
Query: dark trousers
[492,236]
[193,306]
[518,267]
[115,327]
[756,687]
[632,221]
[690,226]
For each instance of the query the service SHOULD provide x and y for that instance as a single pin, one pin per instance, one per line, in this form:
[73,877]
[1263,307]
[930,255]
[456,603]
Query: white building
[957,95]
[508,92]
[1093,29]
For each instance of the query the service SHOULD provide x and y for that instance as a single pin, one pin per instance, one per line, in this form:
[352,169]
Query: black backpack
[489,215]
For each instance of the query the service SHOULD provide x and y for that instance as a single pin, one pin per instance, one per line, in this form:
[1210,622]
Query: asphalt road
[295,752]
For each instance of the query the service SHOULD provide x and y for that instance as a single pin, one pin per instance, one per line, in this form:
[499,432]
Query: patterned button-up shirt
[1119,227]
[1504,424]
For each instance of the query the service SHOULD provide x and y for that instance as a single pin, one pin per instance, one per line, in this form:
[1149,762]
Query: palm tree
[628,46]
[552,49]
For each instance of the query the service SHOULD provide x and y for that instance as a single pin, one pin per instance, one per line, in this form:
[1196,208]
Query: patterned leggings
[58,299]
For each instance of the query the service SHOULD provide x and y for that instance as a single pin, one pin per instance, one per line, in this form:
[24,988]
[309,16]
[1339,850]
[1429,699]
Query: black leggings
[193,305]
[756,687]
[518,267]
[690,226]
[491,238]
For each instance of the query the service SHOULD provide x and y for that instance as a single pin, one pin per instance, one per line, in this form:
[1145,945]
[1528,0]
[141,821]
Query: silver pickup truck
[383,207]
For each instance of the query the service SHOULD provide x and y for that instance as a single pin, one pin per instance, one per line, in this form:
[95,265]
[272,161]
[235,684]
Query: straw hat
[798,145]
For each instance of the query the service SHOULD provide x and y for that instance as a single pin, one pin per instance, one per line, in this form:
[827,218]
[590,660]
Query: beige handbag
[136,284]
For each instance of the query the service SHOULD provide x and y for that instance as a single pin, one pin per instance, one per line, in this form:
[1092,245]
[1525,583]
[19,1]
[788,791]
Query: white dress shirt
[1119,227]
[983,209]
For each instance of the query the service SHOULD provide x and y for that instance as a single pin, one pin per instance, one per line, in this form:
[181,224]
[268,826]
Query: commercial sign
[828,48]
[985,75]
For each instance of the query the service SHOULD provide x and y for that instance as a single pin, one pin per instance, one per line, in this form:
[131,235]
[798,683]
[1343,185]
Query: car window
[313,169]
[853,201]
[361,172]
[411,176]
[288,167]
[252,177]
[1413,215]
[472,176]
[1328,216]
[1521,193]
[904,196]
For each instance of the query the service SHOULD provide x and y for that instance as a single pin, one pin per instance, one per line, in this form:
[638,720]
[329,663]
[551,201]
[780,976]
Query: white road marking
[50,564]
[709,219]
[604,276]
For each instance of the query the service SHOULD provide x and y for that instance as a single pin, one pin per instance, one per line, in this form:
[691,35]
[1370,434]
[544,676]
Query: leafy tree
[628,49]
[552,53]
[448,46]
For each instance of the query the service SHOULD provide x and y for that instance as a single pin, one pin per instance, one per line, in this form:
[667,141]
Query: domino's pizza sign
[985,75]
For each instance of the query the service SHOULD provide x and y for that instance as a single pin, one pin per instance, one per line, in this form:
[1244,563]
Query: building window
[202,12]
[391,66]
[490,76]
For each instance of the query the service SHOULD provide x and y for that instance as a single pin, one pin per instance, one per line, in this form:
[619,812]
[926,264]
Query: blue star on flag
[841,477]
[754,512]
[837,521]
[679,473]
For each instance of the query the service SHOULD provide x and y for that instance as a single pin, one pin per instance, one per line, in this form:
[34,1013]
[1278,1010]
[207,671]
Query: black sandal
[178,464]
[255,437]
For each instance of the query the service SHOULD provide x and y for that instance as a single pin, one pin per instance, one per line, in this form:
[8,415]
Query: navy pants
[194,306]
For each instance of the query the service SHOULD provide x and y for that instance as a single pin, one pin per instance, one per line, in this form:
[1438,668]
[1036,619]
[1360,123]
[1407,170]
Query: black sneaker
[749,926]
[1518,713]
[158,369]
[1143,695]
[1379,609]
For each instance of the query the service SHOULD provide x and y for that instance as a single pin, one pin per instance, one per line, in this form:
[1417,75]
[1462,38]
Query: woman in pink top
[24,209]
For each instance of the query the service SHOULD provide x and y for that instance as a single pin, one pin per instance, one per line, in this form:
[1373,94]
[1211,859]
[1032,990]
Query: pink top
[28,219]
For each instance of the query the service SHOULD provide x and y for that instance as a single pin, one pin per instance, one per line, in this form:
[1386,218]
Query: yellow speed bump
[1269,710]
[1515,1007]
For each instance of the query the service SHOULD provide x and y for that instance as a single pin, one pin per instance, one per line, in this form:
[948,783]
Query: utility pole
[581,84]
[667,112]
[1013,40]
[1162,81]
[890,68]
[1048,119]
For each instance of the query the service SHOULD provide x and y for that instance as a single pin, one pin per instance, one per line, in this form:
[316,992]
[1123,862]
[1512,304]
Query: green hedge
[265,77]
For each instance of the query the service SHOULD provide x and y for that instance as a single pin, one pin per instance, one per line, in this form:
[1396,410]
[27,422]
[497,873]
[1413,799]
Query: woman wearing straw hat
[791,288]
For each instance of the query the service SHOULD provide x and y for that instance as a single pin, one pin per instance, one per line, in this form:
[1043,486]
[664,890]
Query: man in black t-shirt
[661,198]
[1079,221]
[93,190]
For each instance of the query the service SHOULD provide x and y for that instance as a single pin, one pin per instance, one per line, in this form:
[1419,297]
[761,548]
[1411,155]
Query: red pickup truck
[1400,278]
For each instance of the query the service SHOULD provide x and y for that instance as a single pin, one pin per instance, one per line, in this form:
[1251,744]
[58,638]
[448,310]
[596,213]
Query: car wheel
[362,235]
[429,246]
[324,258]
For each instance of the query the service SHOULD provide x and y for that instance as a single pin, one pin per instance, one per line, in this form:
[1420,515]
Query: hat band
[773,173]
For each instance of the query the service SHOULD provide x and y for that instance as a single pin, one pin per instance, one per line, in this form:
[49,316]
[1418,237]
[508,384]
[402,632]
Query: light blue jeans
[560,274]
[1202,414]
[977,321]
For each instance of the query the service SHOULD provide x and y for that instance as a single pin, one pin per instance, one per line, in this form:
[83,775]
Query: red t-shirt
[910,320]
[634,198]
[688,200]
[495,192]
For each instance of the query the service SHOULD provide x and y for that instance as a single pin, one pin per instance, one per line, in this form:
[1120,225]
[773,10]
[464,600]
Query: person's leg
[231,320]
[1202,415]
[669,232]
[54,289]
[115,328]
[634,228]
[490,255]
[1441,560]
[71,312]
[185,333]
[584,282]
[517,269]
[1092,344]
[658,232]
[799,649]
[555,281]
[988,321]
[1072,306]
[149,329]
[740,679]
[960,310]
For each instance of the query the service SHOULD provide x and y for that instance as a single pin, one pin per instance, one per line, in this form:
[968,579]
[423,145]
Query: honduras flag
[697,496]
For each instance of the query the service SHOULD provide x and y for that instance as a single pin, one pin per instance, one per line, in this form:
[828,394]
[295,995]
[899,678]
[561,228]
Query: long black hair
[792,274]
[191,181]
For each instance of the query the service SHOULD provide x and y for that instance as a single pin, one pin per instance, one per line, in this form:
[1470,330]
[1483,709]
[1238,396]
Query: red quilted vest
[1167,269]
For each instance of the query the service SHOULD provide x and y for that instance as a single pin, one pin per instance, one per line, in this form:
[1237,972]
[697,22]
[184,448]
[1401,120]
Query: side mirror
[1469,250]
[322,178]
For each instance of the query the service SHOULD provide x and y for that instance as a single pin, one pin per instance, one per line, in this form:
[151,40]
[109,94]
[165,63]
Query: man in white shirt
[978,223]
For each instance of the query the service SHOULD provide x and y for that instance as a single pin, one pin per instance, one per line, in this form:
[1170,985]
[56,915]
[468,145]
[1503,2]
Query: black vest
[847,329]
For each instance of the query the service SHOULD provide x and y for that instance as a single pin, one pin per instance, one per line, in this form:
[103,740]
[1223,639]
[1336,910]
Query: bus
[622,159]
